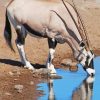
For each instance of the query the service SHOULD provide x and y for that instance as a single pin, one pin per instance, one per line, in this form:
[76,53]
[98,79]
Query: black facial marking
[82,44]
[91,65]
[86,62]
[91,52]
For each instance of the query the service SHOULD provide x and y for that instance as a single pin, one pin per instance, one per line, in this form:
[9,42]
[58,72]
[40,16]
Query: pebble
[15,72]
[31,83]
[11,73]
[55,76]
[69,62]
[74,64]
[41,71]
[15,79]
[7,93]
[19,88]
[73,67]
[66,62]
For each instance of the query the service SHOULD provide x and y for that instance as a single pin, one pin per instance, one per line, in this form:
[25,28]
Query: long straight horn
[61,19]
[83,26]
[63,23]
[71,16]
[75,21]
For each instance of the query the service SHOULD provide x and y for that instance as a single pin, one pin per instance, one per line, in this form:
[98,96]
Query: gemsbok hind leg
[52,44]
[20,41]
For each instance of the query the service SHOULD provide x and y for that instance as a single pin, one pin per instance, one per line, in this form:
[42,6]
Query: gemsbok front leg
[52,45]
[20,41]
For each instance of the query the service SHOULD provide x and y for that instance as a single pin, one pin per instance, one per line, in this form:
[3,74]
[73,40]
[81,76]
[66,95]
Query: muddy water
[73,85]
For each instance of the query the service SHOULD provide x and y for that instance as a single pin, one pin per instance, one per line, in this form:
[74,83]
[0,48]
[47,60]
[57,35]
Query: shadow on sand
[19,64]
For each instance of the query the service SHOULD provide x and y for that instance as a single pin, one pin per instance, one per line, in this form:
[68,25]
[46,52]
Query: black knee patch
[21,35]
[52,44]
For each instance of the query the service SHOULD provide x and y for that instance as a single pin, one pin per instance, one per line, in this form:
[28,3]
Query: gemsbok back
[56,20]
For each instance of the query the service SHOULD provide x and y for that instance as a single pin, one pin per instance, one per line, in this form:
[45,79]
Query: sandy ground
[11,72]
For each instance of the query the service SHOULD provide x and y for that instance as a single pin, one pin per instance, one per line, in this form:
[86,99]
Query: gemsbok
[82,92]
[57,20]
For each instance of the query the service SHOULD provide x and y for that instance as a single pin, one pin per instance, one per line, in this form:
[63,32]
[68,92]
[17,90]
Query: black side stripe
[29,29]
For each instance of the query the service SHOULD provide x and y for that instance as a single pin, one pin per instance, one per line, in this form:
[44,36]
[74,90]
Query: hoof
[29,66]
[52,69]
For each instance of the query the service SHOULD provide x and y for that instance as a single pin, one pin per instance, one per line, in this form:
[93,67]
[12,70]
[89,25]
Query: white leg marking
[52,51]
[19,27]
[49,61]
[23,57]
[90,71]
[51,90]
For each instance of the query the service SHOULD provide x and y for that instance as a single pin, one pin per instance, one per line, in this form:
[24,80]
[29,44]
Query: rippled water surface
[73,85]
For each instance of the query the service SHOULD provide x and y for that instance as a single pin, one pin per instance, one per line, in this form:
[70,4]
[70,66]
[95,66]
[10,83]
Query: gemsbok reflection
[51,90]
[83,91]
[67,88]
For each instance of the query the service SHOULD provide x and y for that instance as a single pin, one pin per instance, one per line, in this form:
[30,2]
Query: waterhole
[73,85]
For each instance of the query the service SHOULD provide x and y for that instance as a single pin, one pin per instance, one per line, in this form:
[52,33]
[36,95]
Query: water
[73,85]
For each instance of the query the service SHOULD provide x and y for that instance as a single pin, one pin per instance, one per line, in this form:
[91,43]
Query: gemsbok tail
[7,32]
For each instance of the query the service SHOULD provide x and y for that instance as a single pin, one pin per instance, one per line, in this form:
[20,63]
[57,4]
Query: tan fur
[38,15]
[50,19]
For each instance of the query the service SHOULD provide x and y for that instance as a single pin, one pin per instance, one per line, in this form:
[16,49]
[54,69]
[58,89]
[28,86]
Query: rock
[11,73]
[74,64]
[41,73]
[15,72]
[18,73]
[73,67]
[45,71]
[19,88]
[55,76]
[31,83]
[7,93]
[15,79]
[66,62]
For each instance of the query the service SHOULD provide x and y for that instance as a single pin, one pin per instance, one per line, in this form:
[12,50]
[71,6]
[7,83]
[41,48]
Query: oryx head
[86,59]
[84,55]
